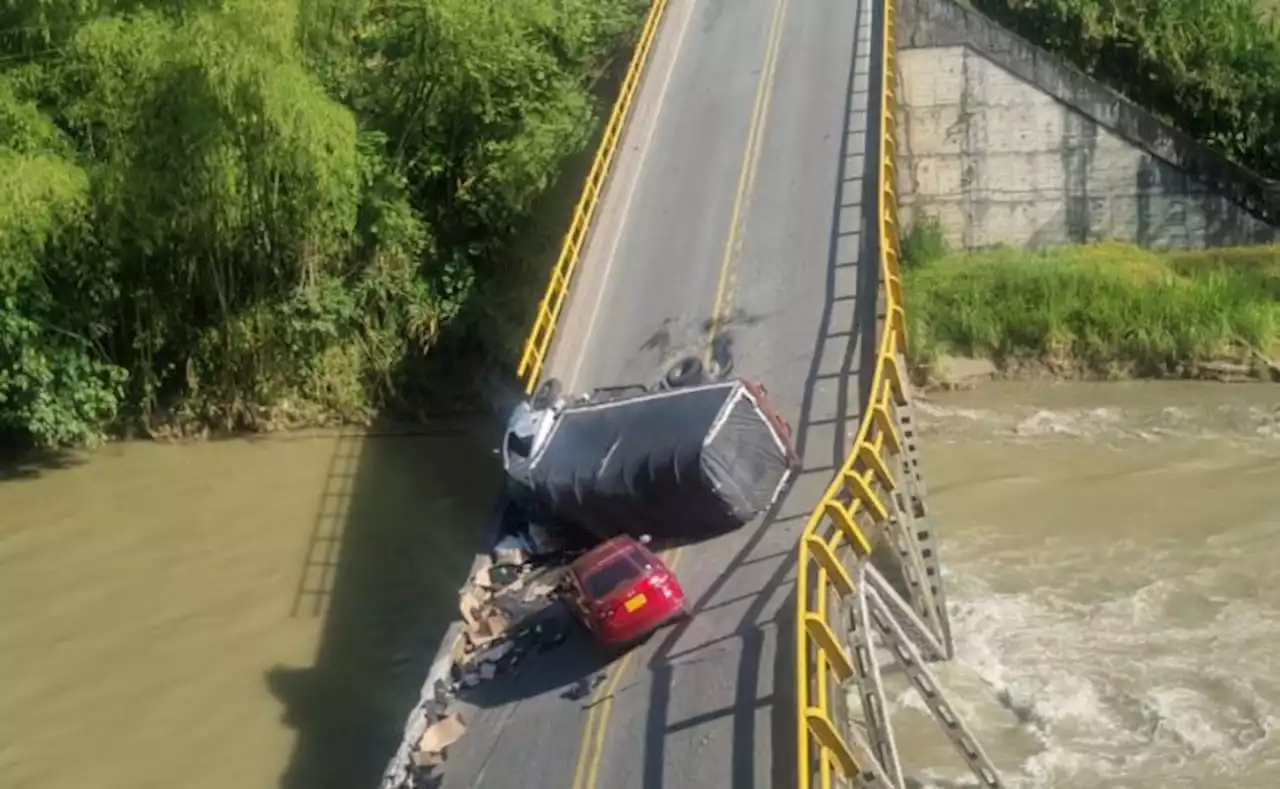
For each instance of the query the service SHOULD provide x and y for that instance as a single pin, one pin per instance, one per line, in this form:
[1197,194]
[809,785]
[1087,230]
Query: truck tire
[546,394]
[721,368]
[686,372]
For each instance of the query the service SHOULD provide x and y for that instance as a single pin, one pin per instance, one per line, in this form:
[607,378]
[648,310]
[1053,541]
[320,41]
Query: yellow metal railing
[538,343]
[859,494]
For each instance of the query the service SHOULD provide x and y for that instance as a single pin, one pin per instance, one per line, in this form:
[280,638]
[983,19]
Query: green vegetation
[1208,67]
[1104,308]
[226,212]
[923,242]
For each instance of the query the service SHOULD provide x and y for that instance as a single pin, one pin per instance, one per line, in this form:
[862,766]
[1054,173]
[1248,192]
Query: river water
[1111,553]
[251,613]
[259,613]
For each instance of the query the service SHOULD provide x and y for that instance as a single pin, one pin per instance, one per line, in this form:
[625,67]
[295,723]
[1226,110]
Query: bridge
[742,206]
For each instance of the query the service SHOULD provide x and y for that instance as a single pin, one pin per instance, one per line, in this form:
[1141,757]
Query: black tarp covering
[644,465]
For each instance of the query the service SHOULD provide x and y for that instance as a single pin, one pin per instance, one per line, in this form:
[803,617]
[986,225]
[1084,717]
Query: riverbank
[248,261]
[1103,311]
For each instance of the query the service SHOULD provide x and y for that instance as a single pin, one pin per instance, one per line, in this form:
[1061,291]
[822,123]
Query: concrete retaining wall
[1006,144]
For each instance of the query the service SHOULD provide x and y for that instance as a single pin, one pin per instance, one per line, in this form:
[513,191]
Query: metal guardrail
[877,498]
[824,667]
[877,493]
[538,343]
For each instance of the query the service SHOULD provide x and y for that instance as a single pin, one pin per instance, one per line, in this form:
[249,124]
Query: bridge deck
[748,135]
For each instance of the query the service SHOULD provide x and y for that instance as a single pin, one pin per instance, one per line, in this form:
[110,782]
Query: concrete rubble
[509,610]
[438,736]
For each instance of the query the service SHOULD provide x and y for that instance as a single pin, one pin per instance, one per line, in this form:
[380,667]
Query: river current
[1111,554]
[258,613]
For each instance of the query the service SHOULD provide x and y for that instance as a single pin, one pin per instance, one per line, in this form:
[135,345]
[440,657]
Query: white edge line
[625,208]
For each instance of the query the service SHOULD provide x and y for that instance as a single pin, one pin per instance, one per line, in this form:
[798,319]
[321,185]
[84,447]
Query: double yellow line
[591,749]
[747,174]
[594,734]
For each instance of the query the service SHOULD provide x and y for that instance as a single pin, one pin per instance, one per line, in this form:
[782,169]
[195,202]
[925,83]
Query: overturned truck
[674,462]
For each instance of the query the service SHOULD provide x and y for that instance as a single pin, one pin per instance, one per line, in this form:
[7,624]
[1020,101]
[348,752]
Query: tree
[217,210]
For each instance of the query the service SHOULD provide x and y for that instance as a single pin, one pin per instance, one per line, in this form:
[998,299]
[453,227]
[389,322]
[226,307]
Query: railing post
[876,493]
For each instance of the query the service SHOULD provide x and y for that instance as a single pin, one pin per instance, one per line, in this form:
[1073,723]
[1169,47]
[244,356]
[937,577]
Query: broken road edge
[432,699]
[505,605]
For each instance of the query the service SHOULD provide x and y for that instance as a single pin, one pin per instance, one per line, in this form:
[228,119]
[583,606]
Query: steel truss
[913,631]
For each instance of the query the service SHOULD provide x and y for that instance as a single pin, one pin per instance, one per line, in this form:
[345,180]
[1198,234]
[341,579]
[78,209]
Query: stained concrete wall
[1005,144]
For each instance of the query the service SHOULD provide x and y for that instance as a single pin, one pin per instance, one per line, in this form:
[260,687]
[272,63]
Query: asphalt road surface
[732,227]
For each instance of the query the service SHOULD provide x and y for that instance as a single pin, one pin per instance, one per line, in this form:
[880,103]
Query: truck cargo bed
[687,462]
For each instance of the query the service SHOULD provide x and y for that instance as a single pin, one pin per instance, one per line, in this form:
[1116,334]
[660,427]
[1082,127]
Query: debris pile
[507,605]
[439,735]
[428,733]
[510,610]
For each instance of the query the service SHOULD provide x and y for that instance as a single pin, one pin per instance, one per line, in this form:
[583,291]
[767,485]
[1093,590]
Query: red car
[622,591]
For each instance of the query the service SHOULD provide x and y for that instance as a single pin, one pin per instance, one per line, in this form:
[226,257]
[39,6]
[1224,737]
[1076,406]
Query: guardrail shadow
[400,519]
[853,381]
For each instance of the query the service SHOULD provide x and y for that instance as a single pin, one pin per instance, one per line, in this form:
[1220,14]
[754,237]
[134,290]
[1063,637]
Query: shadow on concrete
[396,529]
[573,667]
[854,381]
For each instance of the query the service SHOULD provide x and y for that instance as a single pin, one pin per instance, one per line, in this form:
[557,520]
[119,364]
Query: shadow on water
[350,708]
[394,580]
[16,464]
[400,520]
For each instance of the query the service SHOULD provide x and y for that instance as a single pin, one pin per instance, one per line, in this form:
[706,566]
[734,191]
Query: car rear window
[613,574]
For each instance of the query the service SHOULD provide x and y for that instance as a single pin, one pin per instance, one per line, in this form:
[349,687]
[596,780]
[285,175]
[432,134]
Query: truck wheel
[546,394]
[721,369]
[686,372]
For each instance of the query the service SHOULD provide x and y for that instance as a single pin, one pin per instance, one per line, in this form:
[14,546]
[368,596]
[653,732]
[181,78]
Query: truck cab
[527,430]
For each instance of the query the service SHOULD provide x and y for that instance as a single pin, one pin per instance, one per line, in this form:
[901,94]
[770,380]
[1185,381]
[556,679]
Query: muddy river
[258,613]
[247,613]
[1113,555]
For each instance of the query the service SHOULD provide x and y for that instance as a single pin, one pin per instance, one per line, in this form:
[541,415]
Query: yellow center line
[591,750]
[605,708]
[593,756]
[579,769]
[747,175]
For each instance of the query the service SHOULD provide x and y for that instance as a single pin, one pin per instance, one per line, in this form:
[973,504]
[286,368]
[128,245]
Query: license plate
[635,603]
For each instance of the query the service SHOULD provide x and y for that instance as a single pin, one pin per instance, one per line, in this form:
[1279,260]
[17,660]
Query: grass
[1103,308]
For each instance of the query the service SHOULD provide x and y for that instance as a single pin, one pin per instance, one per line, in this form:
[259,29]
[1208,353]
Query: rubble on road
[427,735]
[438,736]
[511,551]
[535,541]
[543,540]
[509,610]
[505,623]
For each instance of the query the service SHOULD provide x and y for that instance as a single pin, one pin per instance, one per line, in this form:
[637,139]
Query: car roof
[607,551]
